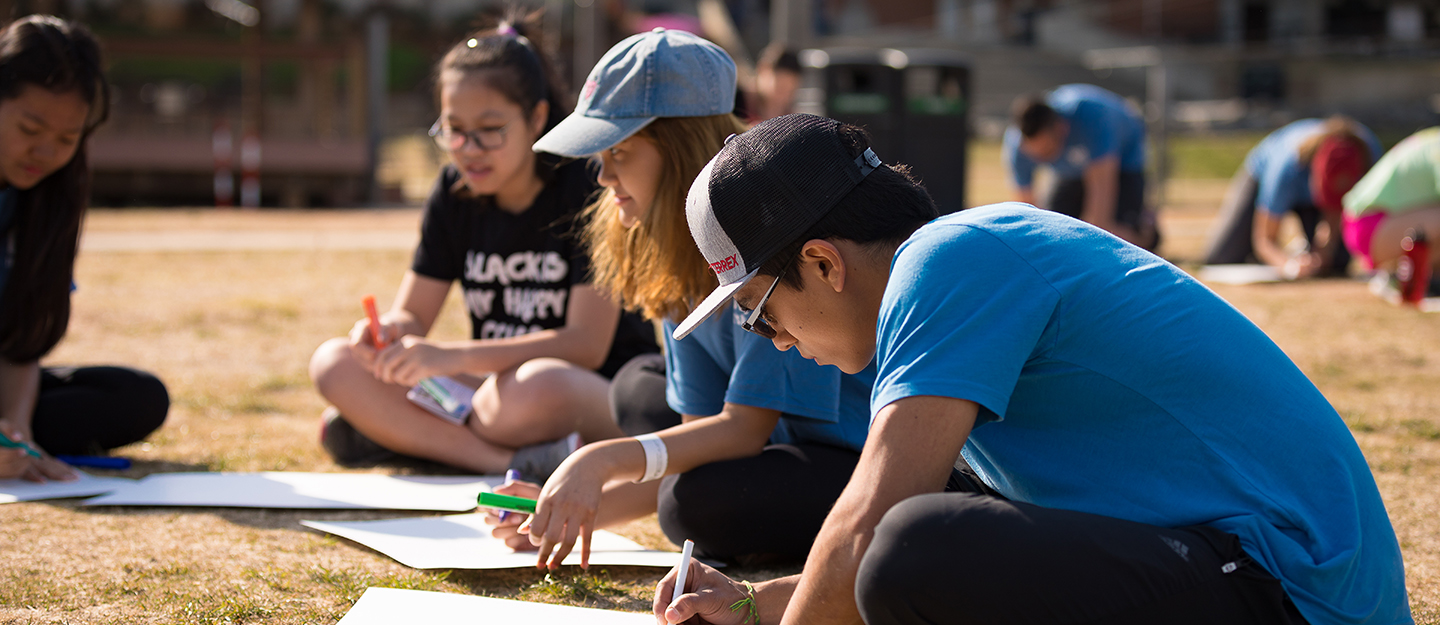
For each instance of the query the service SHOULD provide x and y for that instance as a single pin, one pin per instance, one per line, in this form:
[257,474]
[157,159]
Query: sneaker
[537,462]
[346,445]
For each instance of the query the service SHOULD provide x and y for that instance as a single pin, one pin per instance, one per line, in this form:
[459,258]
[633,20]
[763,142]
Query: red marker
[369,303]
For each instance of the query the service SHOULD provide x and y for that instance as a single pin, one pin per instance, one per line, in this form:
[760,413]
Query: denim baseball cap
[662,73]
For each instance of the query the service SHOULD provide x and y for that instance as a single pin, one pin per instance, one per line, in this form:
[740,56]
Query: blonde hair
[1335,127]
[654,267]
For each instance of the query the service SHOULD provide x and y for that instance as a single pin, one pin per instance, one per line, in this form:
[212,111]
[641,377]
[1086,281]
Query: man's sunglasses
[754,322]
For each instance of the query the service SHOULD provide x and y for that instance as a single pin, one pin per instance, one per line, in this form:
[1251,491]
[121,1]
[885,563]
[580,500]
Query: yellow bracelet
[748,602]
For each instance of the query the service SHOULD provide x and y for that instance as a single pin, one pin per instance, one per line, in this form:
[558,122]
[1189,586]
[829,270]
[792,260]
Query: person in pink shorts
[1401,193]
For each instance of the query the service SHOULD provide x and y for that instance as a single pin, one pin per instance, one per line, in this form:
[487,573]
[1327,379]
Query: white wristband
[656,457]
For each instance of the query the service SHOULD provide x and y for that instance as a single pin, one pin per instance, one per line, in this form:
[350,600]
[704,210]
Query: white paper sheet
[390,606]
[463,541]
[12,491]
[1238,274]
[302,490]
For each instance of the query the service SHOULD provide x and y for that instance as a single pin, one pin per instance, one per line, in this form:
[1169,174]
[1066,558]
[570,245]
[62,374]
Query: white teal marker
[684,570]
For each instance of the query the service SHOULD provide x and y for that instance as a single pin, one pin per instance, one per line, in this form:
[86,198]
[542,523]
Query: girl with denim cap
[764,434]
[544,341]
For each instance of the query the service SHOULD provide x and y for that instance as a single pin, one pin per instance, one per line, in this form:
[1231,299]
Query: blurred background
[325,103]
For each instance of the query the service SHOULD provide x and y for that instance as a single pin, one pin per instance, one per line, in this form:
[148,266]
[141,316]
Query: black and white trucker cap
[765,188]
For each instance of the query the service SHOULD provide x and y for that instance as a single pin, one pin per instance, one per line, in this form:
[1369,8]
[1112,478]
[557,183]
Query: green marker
[6,442]
[506,502]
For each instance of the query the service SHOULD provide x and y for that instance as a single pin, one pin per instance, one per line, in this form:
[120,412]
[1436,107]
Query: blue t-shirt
[1110,382]
[1101,124]
[1281,181]
[720,362]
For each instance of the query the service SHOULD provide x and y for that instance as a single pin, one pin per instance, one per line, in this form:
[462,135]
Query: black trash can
[913,101]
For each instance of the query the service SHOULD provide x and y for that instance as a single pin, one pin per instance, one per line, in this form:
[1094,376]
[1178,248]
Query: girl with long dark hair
[52,96]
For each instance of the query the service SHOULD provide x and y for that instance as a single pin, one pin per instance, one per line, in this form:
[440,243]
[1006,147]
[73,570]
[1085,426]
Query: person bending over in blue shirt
[1147,455]
[1094,142]
[1305,167]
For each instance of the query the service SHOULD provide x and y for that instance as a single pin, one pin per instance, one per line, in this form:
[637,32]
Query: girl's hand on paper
[46,468]
[13,463]
[566,510]
[508,530]
[709,597]
[16,463]
[414,358]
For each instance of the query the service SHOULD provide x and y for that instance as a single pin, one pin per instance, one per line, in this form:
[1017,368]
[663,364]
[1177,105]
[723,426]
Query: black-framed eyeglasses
[454,140]
[755,322]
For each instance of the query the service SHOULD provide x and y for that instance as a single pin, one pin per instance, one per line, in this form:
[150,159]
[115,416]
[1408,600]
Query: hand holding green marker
[506,502]
[5,441]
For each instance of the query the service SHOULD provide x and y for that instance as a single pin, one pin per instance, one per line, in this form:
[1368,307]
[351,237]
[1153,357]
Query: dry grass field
[228,311]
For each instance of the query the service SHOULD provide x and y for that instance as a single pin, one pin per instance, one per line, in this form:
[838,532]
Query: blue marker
[510,476]
[5,441]
[96,462]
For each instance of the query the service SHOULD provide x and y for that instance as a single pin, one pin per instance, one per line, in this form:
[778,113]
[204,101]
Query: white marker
[684,571]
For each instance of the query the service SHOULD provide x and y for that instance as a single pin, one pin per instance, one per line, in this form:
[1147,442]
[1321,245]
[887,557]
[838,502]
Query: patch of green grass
[1357,421]
[1422,428]
[166,571]
[222,405]
[275,579]
[595,589]
[278,382]
[351,584]
[1210,156]
[229,610]
[258,312]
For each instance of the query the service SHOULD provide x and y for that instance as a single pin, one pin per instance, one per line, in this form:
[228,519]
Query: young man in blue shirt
[1094,142]
[1145,454]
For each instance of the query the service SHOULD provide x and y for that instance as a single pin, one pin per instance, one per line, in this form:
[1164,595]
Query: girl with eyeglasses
[768,438]
[52,96]
[544,342]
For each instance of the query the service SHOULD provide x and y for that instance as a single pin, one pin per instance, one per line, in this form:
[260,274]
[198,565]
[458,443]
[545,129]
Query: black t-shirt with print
[515,271]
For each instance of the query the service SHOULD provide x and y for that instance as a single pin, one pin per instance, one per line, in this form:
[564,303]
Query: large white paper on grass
[1238,274]
[302,490]
[389,606]
[12,491]
[463,541]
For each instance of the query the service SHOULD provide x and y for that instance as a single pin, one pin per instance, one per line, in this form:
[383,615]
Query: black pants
[1068,198]
[973,556]
[1232,238]
[88,410]
[765,508]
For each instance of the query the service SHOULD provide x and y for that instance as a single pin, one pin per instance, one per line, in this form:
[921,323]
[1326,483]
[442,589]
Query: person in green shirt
[1400,193]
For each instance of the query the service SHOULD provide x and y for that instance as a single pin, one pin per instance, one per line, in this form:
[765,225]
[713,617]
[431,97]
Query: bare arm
[19,391]
[912,447]
[1026,195]
[417,304]
[571,500]
[19,388]
[585,338]
[1102,189]
[1331,240]
[711,594]
[1266,243]
[1266,239]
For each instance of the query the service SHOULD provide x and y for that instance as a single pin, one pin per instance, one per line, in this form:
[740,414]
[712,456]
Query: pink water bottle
[1413,267]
